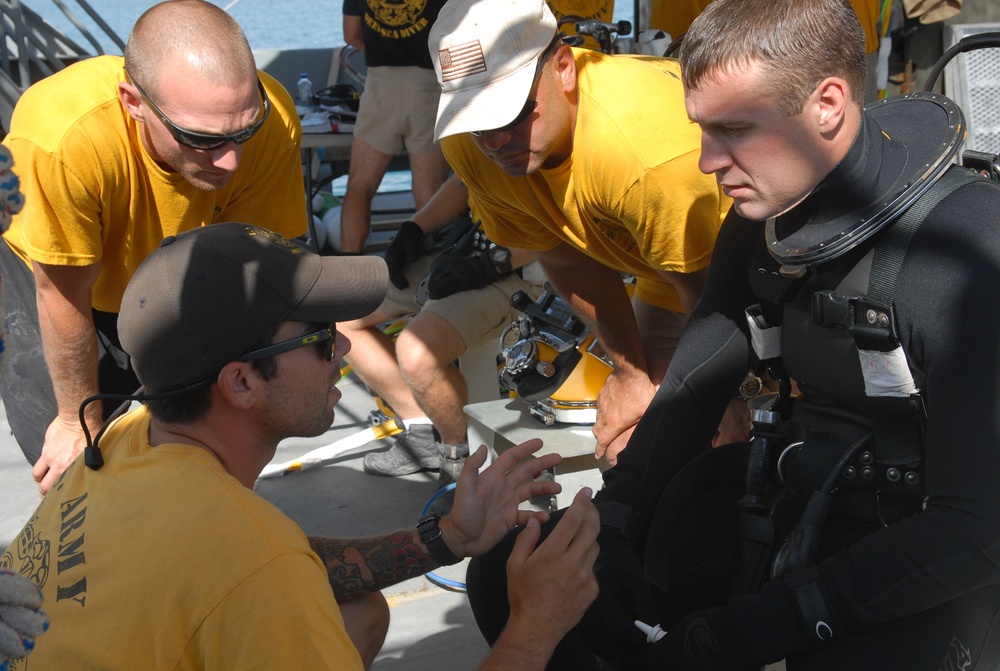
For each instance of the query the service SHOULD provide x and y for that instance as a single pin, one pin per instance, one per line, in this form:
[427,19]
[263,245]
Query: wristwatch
[750,387]
[500,258]
[430,535]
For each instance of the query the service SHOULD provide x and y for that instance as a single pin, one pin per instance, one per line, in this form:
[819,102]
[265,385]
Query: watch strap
[430,535]
[500,258]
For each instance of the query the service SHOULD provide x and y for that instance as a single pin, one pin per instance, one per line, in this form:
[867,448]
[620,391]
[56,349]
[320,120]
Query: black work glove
[608,626]
[453,271]
[404,249]
[749,632]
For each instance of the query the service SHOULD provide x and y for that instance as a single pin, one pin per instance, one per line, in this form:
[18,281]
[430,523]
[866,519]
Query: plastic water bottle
[305,91]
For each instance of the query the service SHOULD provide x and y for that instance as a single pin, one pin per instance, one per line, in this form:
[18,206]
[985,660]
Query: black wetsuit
[922,592]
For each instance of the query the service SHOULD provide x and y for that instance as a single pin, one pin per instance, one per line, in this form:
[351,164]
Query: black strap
[890,253]
[814,613]
[897,420]
[617,515]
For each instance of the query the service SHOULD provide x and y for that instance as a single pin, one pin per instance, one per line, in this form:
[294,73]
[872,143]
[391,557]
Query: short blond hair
[196,31]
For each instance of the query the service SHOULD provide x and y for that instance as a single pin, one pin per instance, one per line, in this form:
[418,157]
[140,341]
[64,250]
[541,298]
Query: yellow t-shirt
[631,195]
[93,194]
[868,12]
[674,16]
[163,560]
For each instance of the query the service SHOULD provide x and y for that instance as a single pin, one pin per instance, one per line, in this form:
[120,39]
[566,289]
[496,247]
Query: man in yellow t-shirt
[154,552]
[590,161]
[115,154]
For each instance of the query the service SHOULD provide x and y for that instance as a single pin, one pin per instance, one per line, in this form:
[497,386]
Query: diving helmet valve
[792,272]
[545,368]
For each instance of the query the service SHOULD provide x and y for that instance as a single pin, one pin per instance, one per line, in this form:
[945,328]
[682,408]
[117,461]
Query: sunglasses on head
[531,103]
[194,139]
[325,338]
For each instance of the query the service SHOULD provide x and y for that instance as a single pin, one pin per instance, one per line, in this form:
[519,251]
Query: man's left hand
[620,406]
[486,504]
[735,424]
[753,630]
[454,271]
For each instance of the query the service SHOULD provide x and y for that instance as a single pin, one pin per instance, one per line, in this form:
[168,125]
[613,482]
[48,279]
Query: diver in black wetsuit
[860,528]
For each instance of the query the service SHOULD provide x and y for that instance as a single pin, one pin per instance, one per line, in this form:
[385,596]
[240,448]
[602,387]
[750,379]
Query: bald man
[116,154]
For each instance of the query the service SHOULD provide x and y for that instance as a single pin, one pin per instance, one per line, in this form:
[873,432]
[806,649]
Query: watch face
[499,255]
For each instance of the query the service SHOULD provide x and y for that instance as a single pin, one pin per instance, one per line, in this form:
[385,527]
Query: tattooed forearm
[361,565]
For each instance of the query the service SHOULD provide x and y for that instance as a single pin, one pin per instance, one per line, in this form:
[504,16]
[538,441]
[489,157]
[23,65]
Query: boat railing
[32,48]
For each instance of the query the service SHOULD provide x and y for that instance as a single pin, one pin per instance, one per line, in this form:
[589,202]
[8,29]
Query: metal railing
[32,49]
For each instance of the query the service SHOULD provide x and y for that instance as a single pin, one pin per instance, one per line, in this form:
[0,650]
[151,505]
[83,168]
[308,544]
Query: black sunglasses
[326,337]
[205,141]
[531,103]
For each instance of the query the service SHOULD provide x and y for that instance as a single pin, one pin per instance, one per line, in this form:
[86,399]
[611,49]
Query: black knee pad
[692,551]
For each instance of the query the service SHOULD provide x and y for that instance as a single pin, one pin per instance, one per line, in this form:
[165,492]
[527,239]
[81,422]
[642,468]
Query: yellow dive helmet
[551,360]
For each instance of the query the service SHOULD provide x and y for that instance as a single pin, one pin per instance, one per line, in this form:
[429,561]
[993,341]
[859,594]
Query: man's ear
[238,384]
[565,66]
[130,98]
[831,99]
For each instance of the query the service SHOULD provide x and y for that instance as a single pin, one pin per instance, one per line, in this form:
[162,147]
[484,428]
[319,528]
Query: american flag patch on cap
[461,60]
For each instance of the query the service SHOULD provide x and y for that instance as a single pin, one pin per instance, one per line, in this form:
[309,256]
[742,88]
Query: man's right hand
[549,587]
[63,442]
[553,584]
[402,251]
[620,405]
[69,341]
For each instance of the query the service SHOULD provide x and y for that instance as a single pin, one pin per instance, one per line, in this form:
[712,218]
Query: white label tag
[766,341]
[887,373]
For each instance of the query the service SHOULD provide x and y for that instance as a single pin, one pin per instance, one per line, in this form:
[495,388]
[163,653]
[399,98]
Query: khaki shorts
[478,315]
[398,110]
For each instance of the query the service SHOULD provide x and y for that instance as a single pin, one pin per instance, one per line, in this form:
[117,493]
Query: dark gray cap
[207,296]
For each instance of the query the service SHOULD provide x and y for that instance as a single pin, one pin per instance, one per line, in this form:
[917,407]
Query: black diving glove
[608,626]
[404,249]
[454,271]
[749,632]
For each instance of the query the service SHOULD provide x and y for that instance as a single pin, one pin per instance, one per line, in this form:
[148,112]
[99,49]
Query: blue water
[268,24]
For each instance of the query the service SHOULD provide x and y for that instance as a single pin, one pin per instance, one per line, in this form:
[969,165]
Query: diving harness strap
[894,401]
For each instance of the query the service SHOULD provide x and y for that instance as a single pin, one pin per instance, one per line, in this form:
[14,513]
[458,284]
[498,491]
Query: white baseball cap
[484,54]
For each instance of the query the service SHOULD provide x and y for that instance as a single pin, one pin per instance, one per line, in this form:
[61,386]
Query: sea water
[285,24]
